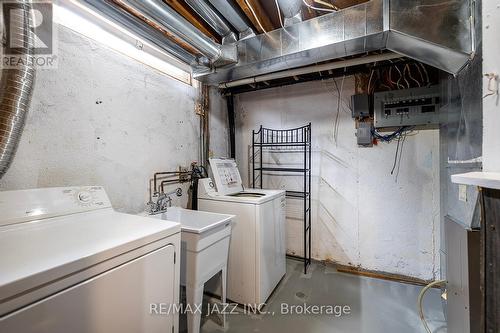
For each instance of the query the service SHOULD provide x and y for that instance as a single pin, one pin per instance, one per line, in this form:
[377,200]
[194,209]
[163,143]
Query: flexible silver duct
[209,15]
[16,85]
[162,14]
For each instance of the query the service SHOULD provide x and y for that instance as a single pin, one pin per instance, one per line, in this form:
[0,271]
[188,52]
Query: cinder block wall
[361,215]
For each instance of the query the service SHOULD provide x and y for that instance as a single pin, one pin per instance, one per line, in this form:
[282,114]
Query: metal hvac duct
[225,7]
[160,13]
[142,29]
[16,85]
[292,11]
[209,15]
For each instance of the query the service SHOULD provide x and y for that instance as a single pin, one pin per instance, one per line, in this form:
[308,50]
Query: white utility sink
[195,221]
[205,241]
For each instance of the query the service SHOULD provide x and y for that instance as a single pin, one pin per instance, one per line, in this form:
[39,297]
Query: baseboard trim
[380,275]
[354,270]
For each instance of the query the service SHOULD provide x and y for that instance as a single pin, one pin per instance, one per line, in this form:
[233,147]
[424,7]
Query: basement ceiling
[231,40]
[265,10]
[252,12]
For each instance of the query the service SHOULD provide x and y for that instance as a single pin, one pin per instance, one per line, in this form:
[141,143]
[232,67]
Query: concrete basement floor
[377,306]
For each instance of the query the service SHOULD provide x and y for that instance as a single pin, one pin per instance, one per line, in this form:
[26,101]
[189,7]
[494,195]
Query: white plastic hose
[420,299]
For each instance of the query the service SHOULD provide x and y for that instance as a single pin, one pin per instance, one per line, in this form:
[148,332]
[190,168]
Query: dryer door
[125,299]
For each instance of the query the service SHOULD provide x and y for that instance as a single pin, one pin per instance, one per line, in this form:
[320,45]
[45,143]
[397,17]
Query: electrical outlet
[462,192]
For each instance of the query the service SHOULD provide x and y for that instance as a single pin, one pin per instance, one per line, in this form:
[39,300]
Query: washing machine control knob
[84,197]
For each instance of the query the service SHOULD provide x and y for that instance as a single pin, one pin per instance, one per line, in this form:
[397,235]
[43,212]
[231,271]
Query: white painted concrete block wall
[218,124]
[104,119]
[491,104]
[361,216]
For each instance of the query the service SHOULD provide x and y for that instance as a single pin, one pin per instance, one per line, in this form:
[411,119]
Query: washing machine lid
[247,196]
[37,253]
[227,177]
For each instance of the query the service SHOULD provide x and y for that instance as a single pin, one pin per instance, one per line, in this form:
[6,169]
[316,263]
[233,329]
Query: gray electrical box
[360,106]
[364,134]
[407,107]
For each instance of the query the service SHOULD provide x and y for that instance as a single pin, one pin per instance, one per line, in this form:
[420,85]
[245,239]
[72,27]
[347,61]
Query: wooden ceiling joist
[261,14]
[346,3]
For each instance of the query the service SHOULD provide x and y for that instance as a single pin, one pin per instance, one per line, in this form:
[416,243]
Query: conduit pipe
[312,69]
[16,84]
[213,19]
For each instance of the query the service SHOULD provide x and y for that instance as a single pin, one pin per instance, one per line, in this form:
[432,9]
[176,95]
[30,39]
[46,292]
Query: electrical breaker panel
[407,107]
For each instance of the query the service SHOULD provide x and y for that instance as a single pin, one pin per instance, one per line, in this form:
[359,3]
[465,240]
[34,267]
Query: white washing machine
[70,263]
[257,251]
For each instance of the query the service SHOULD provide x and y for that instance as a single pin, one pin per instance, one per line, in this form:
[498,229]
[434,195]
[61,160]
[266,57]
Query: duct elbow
[246,34]
[228,54]
[230,38]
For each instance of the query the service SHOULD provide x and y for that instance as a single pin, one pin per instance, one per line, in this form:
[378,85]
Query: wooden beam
[259,12]
[187,12]
[309,13]
[345,3]
[381,275]
[327,4]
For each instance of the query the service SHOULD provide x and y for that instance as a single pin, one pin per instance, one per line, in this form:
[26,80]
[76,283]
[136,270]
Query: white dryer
[257,251]
[70,263]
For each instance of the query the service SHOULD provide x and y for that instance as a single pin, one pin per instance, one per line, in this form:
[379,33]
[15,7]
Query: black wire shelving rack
[293,140]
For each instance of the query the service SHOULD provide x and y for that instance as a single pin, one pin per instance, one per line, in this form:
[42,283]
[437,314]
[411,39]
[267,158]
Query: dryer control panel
[36,204]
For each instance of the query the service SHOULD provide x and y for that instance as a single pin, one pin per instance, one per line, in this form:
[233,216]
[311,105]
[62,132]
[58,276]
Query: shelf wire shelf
[295,140]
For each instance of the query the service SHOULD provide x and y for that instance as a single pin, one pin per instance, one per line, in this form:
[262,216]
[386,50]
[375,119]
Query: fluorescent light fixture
[92,25]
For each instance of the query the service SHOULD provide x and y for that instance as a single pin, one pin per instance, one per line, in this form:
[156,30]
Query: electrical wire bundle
[395,78]
[395,135]
[400,134]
